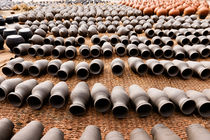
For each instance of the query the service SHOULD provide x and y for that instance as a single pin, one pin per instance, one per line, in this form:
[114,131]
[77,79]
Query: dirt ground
[73,126]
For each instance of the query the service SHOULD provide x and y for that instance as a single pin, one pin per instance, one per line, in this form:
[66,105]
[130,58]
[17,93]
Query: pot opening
[180,56]
[55,53]
[167,109]
[205,41]
[57,101]
[81,40]
[173,71]
[205,52]
[40,52]
[82,73]
[170,43]
[145,54]
[52,69]
[142,69]
[114,40]
[205,74]
[205,110]
[120,50]
[125,42]
[32,51]
[16,51]
[18,68]
[95,68]
[14,100]
[62,75]
[34,102]
[158,53]
[168,54]
[144,110]
[187,73]
[34,71]
[46,41]
[95,52]
[117,69]
[102,105]
[158,69]
[77,110]
[133,52]
[108,53]
[96,40]
[70,53]
[194,56]
[85,52]
[188,107]
[185,41]
[120,111]
[195,40]
[7,71]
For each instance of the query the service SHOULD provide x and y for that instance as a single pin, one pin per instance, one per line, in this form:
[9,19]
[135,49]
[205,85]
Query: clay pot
[84,50]
[192,52]
[21,49]
[117,66]
[137,65]
[192,132]
[8,32]
[53,66]
[170,68]
[59,95]
[161,132]
[6,128]
[45,50]
[8,69]
[120,100]
[96,66]
[107,49]
[202,12]
[49,40]
[22,67]
[39,67]
[53,133]
[1,43]
[70,41]
[33,50]
[144,51]
[185,71]
[161,101]
[80,40]
[66,70]
[114,135]
[8,86]
[14,40]
[91,132]
[39,93]
[199,69]
[82,70]
[80,97]
[26,33]
[202,102]
[32,131]
[59,41]
[141,100]
[70,52]
[139,133]
[186,105]
[179,52]
[37,39]
[22,91]
[58,51]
